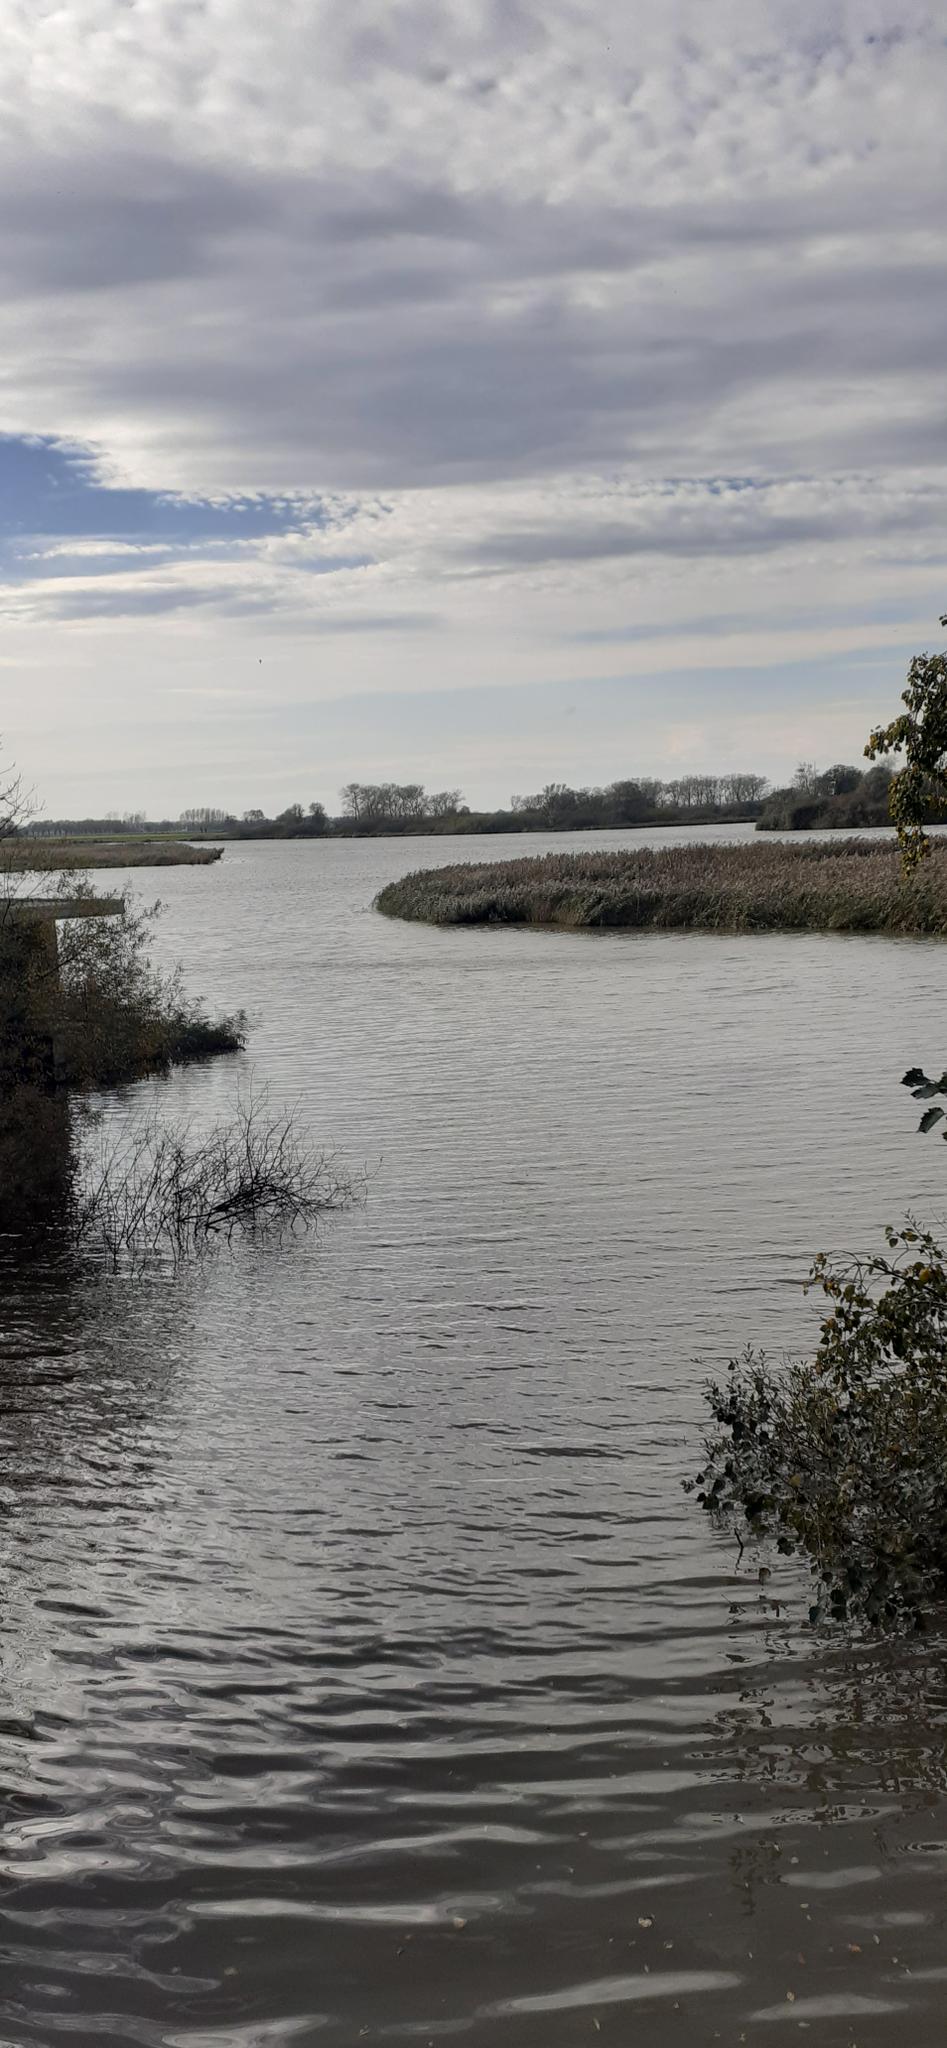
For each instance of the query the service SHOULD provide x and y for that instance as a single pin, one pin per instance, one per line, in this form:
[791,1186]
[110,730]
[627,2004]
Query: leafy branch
[920,732]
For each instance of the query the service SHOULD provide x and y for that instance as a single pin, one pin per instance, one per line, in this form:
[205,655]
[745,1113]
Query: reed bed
[36,856]
[855,885]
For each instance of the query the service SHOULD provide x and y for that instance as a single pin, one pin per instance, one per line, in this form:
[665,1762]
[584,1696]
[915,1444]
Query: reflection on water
[366,1672]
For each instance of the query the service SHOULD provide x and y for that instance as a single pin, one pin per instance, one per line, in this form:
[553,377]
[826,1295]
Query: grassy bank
[852,886]
[39,856]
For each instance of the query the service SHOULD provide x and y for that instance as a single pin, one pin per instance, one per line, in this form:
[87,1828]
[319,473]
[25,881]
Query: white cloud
[531,294]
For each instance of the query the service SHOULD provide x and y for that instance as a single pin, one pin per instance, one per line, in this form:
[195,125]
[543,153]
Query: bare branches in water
[165,1192]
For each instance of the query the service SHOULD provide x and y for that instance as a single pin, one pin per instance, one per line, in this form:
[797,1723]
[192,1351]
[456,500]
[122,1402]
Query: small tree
[920,733]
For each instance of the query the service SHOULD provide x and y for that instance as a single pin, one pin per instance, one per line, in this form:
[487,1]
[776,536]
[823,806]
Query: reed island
[855,885]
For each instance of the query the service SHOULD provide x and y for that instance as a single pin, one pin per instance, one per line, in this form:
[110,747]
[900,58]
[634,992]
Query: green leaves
[920,733]
[921,1084]
[843,1458]
[922,1088]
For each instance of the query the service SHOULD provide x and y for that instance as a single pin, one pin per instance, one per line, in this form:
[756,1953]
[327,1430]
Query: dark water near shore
[364,1671]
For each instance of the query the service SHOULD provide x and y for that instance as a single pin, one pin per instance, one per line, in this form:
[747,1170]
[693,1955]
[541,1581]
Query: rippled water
[366,1673]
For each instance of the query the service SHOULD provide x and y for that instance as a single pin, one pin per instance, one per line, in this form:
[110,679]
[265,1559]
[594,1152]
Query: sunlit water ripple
[366,1672]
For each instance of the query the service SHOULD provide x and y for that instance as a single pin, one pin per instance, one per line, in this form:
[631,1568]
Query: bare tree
[18,807]
[204,816]
[744,789]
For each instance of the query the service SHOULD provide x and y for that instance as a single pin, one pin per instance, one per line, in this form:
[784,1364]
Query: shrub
[116,1016]
[843,1458]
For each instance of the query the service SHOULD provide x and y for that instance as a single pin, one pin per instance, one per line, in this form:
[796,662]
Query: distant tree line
[396,808]
[842,798]
[639,800]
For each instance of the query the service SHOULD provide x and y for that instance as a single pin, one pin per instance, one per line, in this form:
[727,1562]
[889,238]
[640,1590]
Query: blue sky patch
[51,491]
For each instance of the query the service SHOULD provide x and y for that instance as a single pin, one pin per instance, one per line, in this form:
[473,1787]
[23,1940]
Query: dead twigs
[164,1191]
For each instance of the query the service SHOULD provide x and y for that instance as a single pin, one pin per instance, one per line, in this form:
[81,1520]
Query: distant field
[39,855]
[855,886]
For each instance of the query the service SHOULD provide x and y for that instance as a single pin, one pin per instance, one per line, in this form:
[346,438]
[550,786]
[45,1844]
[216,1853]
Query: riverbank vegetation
[841,1458]
[849,886]
[34,855]
[92,1010]
[82,1007]
[87,1015]
[115,1017]
[87,1011]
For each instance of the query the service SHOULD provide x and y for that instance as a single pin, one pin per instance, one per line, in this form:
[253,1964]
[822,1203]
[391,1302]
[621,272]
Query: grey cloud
[734,525]
[364,331]
[113,602]
[390,321]
[302,623]
[133,217]
[375,622]
[110,603]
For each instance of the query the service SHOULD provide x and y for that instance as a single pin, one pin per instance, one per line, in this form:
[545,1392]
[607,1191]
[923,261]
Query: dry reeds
[853,886]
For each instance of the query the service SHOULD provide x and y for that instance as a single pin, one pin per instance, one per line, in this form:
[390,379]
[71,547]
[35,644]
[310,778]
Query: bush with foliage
[842,1459]
[116,1016]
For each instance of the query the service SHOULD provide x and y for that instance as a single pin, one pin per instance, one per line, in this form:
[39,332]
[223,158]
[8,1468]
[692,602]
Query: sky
[477,392]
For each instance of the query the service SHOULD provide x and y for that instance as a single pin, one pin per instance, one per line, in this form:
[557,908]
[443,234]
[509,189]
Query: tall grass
[852,886]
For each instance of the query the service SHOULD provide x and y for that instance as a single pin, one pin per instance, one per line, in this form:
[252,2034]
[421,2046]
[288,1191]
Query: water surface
[366,1673]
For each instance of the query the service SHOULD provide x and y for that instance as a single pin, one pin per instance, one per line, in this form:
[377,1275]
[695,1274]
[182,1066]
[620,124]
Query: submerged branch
[164,1192]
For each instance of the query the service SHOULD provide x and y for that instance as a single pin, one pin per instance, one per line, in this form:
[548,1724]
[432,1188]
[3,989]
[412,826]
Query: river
[365,1671]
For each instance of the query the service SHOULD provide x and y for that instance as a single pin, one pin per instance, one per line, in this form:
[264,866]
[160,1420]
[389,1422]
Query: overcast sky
[483,392]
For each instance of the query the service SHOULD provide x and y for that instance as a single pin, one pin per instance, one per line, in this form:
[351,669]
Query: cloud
[501,328]
[321,258]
